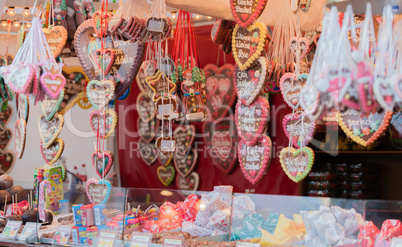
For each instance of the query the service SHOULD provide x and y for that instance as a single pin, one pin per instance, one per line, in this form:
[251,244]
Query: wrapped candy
[152,226]
[390,229]
[270,223]
[242,206]
[369,233]
[196,230]
[189,208]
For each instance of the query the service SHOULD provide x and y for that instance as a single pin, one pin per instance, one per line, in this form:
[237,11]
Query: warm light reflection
[166,193]
[26,12]
[11,11]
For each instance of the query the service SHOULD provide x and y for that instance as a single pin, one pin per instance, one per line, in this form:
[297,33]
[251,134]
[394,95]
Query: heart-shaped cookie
[299,129]
[5,137]
[50,130]
[296,163]
[145,107]
[148,152]
[6,162]
[23,107]
[160,85]
[248,44]
[299,45]
[148,130]
[184,138]
[166,108]
[103,122]
[291,86]
[128,57]
[53,152]
[98,191]
[147,70]
[20,137]
[190,183]
[102,162]
[364,129]
[5,116]
[246,12]
[51,106]
[56,38]
[219,90]
[20,78]
[221,138]
[164,160]
[76,82]
[185,163]
[249,82]
[104,59]
[53,81]
[166,174]
[254,160]
[166,145]
[100,93]
[251,120]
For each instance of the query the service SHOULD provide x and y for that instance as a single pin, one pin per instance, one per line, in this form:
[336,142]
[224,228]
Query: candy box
[55,176]
[77,214]
[99,212]
[75,234]
[92,233]
[82,232]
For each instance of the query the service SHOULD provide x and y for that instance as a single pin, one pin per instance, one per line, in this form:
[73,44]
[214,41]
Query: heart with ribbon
[184,138]
[56,38]
[166,107]
[53,152]
[103,122]
[251,120]
[102,162]
[20,137]
[166,174]
[185,163]
[145,107]
[299,45]
[50,130]
[98,191]
[148,152]
[189,183]
[299,129]
[246,12]
[52,80]
[296,163]
[100,93]
[291,86]
[166,145]
[51,106]
[104,59]
[254,160]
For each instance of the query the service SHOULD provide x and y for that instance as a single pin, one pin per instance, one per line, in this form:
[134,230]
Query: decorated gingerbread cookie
[299,129]
[56,38]
[102,162]
[148,152]
[184,136]
[166,174]
[50,130]
[98,191]
[185,163]
[291,86]
[246,12]
[191,182]
[103,122]
[53,152]
[296,163]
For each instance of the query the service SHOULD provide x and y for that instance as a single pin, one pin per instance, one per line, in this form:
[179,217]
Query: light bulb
[28,25]
[16,24]
[11,11]
[26,12]
[209,17]
[174,15]
[197,16]
[4,23]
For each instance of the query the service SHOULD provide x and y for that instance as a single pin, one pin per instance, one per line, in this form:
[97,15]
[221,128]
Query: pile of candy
[370,236]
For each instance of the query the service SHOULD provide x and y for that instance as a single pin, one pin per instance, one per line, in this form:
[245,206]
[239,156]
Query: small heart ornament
[148,152]
[20,78]
[104,59]
[51,106]
[166,145]
[102,162]
[52,80]
[100,93]
[299,129]
[56,38]
[251,120]
[166,174]
[299,45]
[50,130]
[166,108]
[254,160]
[5,137]
[98,191]
[296,163]
[190,183]
[5,116]
[164,160]
[6,162]
[148,130]
[53,152]
[291,86]
[103,122]
[184,138]
[246,12]
[20,137]
[185,163]
[145,107]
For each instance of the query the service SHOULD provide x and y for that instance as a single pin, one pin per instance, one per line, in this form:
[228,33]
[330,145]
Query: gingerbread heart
[102,162]
[148,152]
[5,116]
[52,80]
[249,83]
[248,44]
[50,130]
[6,162]
[146,130]
[128,55]
[100,93]
[251,120]
[166,145]
[221,138]
[185,163]
[53,152]
[147,70]
[189,183]
[296,163]
[291,86]
[219,90]
[23,107]
[20,78]
[166,174]
[103,122]
[299,129]
[51,106]
[184,138]
[164,160]
[56,38]
[76,82]
[364,129]
[299,45]
[5,137]
[254,160]
[98,191]
[246,12]
[145,107]
[166,108]
[20,137]
[104,59]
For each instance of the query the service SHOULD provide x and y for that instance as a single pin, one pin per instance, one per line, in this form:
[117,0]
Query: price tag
[173,242]
[62,235]
[106,239]
[29,229]
[165,110]
[11,230]
[247,244]
[140,239]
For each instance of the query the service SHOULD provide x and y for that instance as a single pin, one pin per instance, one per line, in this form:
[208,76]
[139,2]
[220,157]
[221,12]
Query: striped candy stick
[41,202]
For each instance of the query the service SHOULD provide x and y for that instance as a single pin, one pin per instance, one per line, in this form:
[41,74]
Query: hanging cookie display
[246,12]
[184,138]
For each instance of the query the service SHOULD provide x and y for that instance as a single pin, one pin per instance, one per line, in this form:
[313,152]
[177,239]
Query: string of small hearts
[250,73]
[296,163]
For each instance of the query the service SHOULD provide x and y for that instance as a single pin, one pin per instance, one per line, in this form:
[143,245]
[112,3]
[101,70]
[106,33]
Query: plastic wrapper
[270,223]
[152,226]
[196,230]
[189,208]
[390,229]
[242,206]
[369,230]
